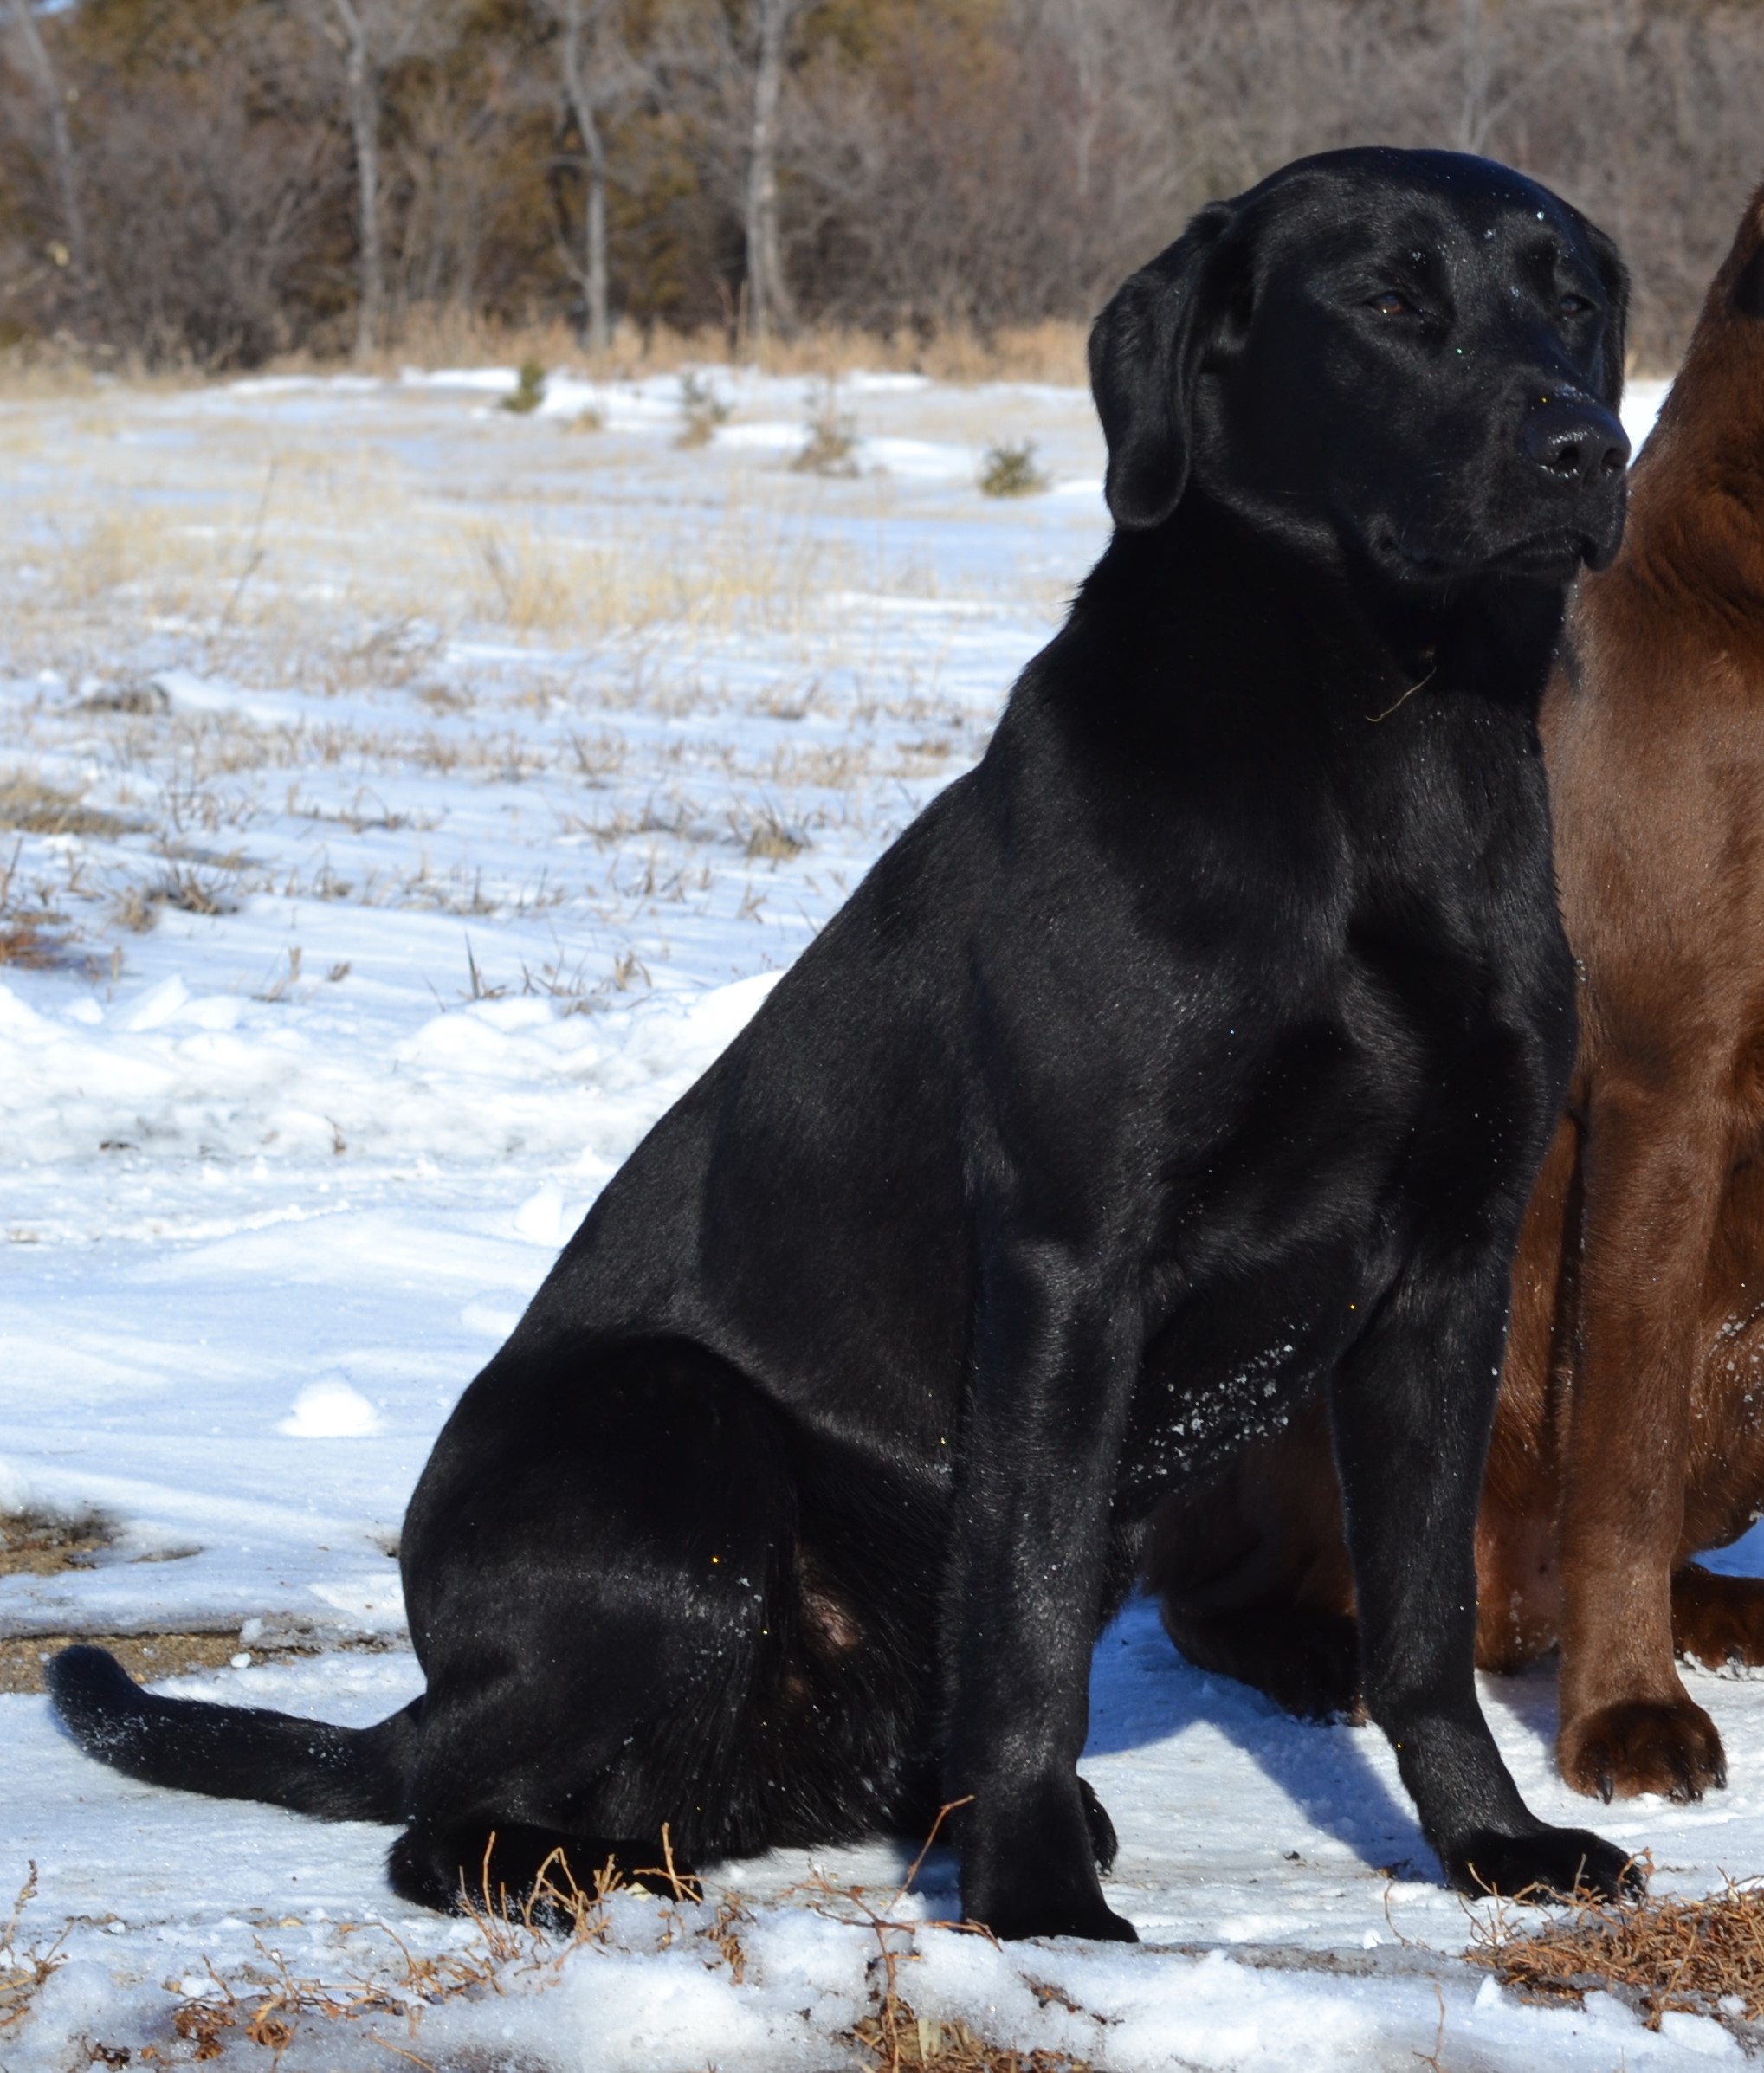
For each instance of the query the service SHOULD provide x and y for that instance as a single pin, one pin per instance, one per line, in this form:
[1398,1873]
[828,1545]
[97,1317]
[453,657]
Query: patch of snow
[332,1409]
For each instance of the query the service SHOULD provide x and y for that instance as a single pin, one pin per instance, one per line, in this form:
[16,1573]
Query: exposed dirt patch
[31,1545]
[146,1657]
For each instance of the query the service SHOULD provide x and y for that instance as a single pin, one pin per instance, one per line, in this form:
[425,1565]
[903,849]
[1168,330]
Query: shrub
[1009,471]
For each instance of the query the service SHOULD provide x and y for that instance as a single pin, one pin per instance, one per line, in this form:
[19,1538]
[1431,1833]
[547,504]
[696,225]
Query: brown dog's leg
[1653,1189]
[1518,1587]
[1718,1620]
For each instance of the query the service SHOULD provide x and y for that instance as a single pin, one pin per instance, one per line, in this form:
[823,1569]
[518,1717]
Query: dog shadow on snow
[1143,1693]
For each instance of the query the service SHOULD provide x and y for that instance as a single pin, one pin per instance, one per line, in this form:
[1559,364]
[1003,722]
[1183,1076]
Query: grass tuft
[35,808]
[26,939]
[26,943]
[765,838]
[528,392]
[830,446]
[701,411]
[898,2038]
[1009,471]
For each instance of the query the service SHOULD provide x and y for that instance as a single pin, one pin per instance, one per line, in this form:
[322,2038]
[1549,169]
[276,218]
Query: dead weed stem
[23,1968]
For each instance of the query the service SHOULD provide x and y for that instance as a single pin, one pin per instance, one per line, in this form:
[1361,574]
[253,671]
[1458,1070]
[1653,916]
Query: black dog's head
[1411,359]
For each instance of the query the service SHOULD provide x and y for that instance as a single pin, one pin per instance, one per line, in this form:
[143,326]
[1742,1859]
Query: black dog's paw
[1066,1914]
[1103,1840]
[1030,1868]
[1547,1864]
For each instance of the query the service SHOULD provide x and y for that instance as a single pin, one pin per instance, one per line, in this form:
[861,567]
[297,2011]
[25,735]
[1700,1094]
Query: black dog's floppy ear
[1613,278]
[1146,349]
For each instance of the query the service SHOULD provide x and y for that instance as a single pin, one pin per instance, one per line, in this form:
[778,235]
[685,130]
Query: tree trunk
[768,298]
[362,83]
[61,137]
[594,153]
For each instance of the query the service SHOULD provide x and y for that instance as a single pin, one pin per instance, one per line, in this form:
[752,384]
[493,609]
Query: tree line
[213,182]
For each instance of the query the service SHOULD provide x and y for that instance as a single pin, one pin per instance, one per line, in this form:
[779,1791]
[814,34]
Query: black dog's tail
[232,1752]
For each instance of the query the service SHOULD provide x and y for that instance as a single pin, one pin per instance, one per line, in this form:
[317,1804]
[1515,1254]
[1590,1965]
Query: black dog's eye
[1390,303]
[1574,306]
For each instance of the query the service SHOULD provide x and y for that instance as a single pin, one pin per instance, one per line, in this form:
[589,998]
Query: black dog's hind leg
[1413,1405]
[594,1558]
[605,1567]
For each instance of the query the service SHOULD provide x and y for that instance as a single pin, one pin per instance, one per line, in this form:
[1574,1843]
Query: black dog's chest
[1407,1109]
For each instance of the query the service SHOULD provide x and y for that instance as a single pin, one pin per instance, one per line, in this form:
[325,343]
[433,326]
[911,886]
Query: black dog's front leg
[1054,1365]
[1412,1409]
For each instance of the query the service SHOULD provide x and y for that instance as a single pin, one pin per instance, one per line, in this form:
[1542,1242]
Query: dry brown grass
[1049,351]
[36,808]
[745,566]
[255,578]
[899,2040]
[525,1946]
[29,941]
[23,1968]
[30,935]
[51,370]
[1700,1957]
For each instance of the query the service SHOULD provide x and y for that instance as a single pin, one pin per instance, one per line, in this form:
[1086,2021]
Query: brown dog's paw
[1642,1745]
[1718,1620]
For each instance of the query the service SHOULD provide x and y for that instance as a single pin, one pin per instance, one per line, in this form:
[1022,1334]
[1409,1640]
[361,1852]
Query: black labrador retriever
[1193,1052]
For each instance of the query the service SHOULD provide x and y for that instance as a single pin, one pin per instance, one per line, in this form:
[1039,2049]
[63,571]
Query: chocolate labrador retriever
[1194,1052]
[1626,1437]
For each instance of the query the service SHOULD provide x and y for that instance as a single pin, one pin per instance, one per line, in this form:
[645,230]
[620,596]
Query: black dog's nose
[1575,438]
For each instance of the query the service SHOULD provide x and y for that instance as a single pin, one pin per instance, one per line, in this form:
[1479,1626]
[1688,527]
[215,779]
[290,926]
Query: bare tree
[768,293]
[943,165]
[597,72]
[55,98]
[370,36]
[361,75]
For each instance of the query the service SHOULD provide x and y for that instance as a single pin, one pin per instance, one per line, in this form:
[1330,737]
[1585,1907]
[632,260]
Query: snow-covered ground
[402,801]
